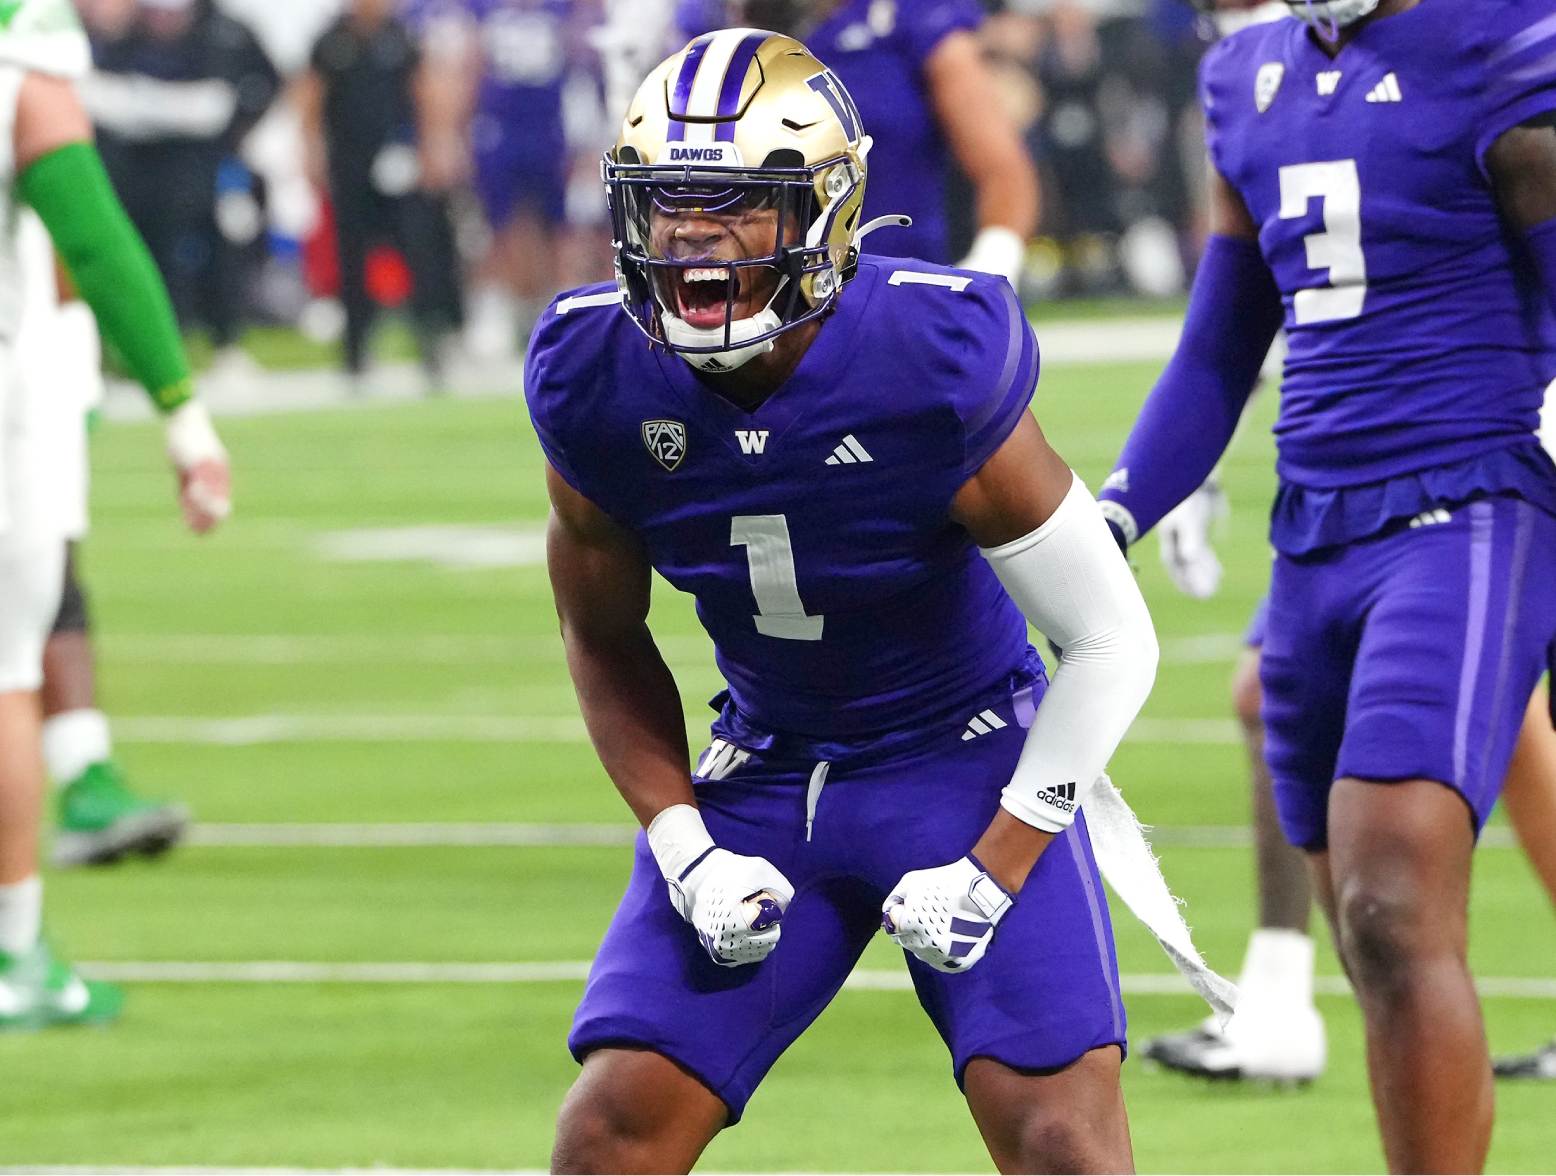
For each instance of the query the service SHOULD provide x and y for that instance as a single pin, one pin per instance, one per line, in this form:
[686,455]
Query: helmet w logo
[826,84]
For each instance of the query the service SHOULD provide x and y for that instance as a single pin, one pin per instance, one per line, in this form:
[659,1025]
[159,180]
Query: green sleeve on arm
[111,267]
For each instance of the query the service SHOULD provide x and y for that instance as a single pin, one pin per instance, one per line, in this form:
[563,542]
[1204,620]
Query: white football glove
[200,460]
[997,250]
[735,903]
[946,916]
[1184,534]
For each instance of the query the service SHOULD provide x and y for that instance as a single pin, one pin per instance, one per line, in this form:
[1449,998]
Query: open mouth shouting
[703,293]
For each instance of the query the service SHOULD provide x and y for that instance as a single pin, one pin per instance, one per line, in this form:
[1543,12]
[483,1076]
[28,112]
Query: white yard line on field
[248,730]
[535,835]
[575,971]
[357,648]
[1065,343]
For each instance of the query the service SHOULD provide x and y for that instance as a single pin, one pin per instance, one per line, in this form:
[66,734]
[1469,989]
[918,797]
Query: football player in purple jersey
[1383,184]
[916,70]
[500,68]
[832,454]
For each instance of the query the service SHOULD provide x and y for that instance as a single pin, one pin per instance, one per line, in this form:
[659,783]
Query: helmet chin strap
[681,334]
[1335,14]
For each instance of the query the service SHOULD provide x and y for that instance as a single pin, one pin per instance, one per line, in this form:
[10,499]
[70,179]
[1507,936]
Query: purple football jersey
[879,50]
[527,47]
[1417,335]
[813,532]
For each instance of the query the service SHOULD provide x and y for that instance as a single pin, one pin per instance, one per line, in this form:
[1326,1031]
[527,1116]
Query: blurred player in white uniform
[48,163]
[59,357]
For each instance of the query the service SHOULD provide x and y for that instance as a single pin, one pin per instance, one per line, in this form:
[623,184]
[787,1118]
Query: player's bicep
[1016,490]
[599,572]
[49,116]
[1522,166]
[1228,213]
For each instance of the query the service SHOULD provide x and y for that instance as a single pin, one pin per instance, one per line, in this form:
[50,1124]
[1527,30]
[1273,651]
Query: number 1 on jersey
[1338,248]
[780,613]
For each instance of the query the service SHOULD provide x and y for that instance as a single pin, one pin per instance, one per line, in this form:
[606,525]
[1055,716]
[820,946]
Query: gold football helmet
[739,122]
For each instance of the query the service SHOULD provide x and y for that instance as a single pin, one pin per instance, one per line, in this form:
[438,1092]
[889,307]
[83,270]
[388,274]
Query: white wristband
[996,250]
[191,438]
[678,839]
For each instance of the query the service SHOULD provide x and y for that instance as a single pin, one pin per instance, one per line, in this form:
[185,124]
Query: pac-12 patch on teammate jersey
[1267,84]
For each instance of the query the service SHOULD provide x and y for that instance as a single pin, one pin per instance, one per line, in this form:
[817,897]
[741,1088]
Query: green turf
[260,621]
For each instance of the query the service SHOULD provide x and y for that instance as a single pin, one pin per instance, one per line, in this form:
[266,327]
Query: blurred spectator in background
[176,87]
[358,107]
[499,70]
[916,71]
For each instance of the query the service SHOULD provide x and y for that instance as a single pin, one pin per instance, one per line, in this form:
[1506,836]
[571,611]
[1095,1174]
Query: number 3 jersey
[813,532]
[1419,339]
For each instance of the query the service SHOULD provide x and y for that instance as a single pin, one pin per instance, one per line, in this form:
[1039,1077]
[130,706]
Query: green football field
[406,855]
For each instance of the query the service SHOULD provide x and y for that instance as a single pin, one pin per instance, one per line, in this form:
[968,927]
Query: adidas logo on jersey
[1386,91]
[850,452]
[1430,518]
[981,724]
[1061,796]
[1328,82]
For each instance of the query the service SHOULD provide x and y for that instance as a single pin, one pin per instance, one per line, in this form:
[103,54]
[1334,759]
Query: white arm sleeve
[1070,580]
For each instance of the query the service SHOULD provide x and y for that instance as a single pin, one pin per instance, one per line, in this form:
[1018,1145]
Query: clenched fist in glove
[946,916]
[735,903]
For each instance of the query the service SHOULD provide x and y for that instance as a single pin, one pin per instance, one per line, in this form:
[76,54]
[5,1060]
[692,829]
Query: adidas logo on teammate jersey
[1430,518]
[981,724]
[850,452]
[1328,82]
[1386,91]
[1061,796]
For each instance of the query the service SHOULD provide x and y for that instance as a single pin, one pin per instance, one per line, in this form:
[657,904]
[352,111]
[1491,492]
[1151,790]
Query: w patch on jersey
[1267,84]
[666,440]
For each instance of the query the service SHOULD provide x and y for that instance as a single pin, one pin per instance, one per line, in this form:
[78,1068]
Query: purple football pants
[1410,655]
[1046,992]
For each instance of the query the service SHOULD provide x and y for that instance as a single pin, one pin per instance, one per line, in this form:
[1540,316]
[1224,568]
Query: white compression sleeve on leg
[1070,580]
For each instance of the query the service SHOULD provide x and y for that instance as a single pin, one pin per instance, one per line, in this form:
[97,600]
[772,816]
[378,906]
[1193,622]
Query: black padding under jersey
[73,616]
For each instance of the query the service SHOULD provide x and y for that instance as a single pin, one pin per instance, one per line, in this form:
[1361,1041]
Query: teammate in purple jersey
[916,69]
[1384,184]
[506,63]
[833,455]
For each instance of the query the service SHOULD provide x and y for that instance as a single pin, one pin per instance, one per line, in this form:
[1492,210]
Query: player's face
[700,295]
